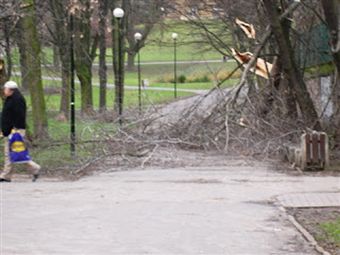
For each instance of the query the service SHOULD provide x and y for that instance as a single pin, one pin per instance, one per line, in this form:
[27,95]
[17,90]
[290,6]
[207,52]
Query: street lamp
[138,38]
[118,13]
[174,37]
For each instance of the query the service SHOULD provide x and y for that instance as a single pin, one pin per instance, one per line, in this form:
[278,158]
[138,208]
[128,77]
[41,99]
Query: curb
[308,236]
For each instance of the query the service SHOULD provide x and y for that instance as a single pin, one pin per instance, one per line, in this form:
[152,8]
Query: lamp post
[174,37]
[118,13]
[138,38]
[72,93]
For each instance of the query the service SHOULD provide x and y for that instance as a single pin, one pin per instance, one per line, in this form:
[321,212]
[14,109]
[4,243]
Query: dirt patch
[314,220]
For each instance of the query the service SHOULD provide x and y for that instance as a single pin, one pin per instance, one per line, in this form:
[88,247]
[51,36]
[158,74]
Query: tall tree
[84,53]
[3,74]
[331,10]
[103,7]
[141,17]
[30,48]
[60,37]
[7,35]
[290,68]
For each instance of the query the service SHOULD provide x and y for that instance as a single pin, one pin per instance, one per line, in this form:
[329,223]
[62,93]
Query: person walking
[13,119]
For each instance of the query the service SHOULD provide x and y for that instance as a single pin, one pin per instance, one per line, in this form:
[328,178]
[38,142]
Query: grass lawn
[159,45]
[130,99]
[332,230]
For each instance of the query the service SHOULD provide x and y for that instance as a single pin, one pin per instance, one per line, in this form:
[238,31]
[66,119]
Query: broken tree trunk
[290,69]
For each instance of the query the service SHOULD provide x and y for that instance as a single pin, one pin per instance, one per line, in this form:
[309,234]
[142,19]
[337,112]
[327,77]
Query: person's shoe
[4,180]
[35,177]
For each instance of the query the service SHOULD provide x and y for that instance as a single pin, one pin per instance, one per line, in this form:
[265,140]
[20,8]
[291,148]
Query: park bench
[312,153]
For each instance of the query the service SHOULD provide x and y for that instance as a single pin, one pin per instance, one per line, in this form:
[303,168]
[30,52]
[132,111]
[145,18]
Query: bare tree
[290,68]
[85,52]
[142,17]
[331,10]
[103,11]
[60,39]
[30,50]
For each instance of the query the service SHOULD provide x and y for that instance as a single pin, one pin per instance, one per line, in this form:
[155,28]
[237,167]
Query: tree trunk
[66,84]
[31,50]
[8,49]
[61,44]
[131,60]
[56,58]
[24,65]
[331,10]
[3,75]
[296,82]
[83,58]
[103,6]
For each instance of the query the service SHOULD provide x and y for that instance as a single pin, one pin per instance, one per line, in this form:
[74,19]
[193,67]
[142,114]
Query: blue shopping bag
[18,151]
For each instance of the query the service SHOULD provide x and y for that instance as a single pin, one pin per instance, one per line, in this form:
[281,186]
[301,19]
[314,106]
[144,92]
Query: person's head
[9,88]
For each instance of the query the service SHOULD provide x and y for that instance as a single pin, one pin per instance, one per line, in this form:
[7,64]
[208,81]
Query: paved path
[109,85]
[301,200]
[203,210]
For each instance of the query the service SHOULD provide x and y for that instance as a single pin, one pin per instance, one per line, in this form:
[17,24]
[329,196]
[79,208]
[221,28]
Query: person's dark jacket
[13,113]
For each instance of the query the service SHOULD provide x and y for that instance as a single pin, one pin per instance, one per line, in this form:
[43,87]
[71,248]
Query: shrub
[182,78]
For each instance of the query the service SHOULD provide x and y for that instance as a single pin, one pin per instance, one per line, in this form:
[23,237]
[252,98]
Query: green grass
[130,99]
[332,230]
[159,45]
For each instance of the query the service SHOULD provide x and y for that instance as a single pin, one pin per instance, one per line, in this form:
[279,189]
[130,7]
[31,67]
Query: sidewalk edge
[308,236]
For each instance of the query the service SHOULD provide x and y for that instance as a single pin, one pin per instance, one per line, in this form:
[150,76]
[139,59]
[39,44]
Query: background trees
[141,17]
[32,25]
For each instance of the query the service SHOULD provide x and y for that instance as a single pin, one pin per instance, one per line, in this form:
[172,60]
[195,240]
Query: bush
[182,78]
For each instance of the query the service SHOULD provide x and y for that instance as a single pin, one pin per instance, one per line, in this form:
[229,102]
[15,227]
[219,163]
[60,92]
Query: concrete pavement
[202,210]
[320,199]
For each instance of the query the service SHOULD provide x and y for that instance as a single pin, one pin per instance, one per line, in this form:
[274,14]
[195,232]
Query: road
[227,209]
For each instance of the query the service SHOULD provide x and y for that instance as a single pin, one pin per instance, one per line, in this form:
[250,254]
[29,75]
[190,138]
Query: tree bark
[3,76]
[56,57]
[103,6]
[131,60]
[66,85]
[23,57]
[290,69]
[7,34]
[60,35]
[31,50]
[83,58]
[331,10]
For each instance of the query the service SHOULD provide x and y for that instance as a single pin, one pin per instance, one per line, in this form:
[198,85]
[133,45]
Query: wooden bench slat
[322,147]
[315,148]
[308,149]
